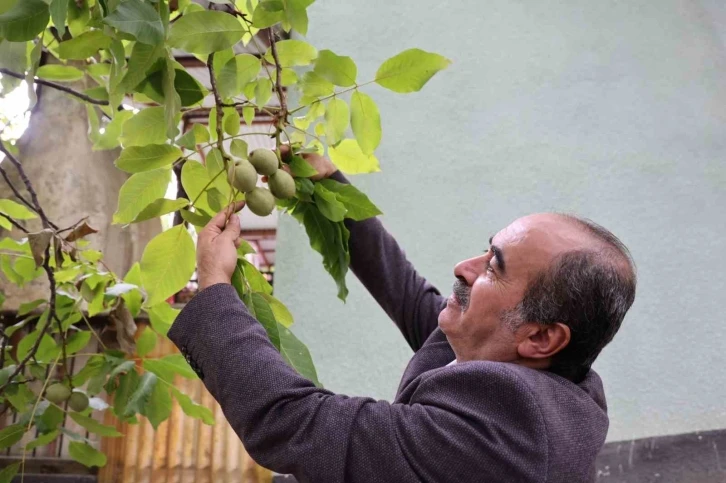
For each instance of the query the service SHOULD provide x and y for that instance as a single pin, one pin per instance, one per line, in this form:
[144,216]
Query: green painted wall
[614,110]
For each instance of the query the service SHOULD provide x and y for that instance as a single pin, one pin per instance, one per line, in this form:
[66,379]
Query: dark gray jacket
[470,422]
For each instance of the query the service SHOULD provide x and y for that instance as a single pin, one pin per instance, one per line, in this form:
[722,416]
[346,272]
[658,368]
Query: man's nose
[468,270]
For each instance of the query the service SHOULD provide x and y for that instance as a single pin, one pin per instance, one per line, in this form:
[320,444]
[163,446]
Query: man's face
[491,285]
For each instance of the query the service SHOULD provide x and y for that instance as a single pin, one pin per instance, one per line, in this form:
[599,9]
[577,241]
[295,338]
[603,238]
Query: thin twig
[14,223]
[63,346]
[59,87]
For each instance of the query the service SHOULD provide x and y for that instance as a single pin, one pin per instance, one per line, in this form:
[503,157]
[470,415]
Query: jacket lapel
[436,352]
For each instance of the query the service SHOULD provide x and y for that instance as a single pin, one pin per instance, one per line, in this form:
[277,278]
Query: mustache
[462,292]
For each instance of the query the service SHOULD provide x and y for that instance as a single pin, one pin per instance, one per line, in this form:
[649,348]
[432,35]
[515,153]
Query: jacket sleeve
[290,426]
[381,266]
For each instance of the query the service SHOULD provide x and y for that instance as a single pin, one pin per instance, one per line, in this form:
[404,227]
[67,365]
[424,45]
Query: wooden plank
[204,444]
[218,443]
[191,435]
[131,453]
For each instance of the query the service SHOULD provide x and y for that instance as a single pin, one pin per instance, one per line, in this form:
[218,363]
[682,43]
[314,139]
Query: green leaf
[194,178]
[297,355]
[148,126]
[293,53]
[263,91]
[196,218]
[340,70]
[16,210]
[297,15]
[236,74]
[301,168]
[167,264]
[146,342]
[158,407]
[160,207]
[86,454]
[141,394]
[77,341]
[315,85]
[143,56]
[133,297]
[257,281]
[349,158]
[47,350]
[357,204]
[58,13]
[139,191]
[168,366]
[94,426]
[231,121]
[410,70]
[57,72]
[266,317]
[139,19]
[11,435]
[127,385]
[7,473]
[365,121]
[136,159]
[197,134]
[282,314]
[330,239]
[42,440]
[239,148]
[248,114]
[172,100]
[161,317]
[24,20]
[262,18]
[109,139]
[328,204]
[205,32]
[191,409]
[189,89]
[83,46]
[337,117]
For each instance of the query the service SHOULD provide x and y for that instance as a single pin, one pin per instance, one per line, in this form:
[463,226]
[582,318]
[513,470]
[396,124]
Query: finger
[232,229]
[217,224]
[238,242]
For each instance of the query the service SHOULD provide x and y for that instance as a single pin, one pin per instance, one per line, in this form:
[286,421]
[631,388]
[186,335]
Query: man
[499,388]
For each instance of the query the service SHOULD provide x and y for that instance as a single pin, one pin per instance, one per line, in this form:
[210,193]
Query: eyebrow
[498,254]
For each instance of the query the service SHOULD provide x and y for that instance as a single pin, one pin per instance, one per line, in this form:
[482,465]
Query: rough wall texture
[72,182]
[614,110]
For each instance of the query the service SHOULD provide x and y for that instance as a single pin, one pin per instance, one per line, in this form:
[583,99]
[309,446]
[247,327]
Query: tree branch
[33,196]
[59,87]
[218,102]
[14,189]
[15,223]
[278,80]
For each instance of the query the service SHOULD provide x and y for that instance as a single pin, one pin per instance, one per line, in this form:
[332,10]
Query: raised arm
[290,426]
[381,265]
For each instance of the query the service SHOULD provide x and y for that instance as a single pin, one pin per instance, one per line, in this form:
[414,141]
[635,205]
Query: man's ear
[542,341]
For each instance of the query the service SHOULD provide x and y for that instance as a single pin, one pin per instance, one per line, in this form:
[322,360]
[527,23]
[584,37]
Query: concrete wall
[613,109]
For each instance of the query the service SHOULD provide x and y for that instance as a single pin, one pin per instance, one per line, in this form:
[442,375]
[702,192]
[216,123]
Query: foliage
[125,47]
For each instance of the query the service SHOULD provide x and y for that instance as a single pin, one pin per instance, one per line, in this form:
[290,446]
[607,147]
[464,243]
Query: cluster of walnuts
[243,176]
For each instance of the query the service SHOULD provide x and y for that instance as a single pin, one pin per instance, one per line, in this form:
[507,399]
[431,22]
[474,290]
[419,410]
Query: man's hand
[320,163]
[217,247]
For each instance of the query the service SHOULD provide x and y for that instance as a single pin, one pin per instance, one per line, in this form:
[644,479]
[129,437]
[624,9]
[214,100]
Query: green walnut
[260,201]
[264,161]
[242,175]
[282,185]
[57,393]
[78,402]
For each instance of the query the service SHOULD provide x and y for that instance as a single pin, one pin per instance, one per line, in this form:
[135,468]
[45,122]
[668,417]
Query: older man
[499,388]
